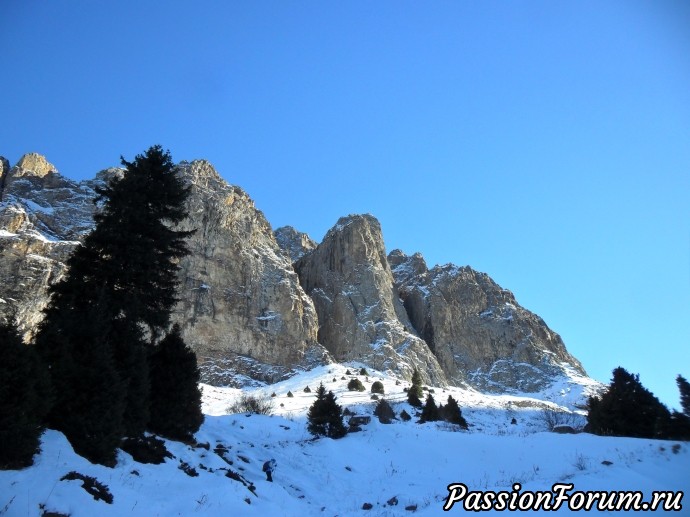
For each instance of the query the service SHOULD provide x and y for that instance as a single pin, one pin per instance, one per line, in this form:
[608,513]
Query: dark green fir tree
[415,392]
[24,400]
[114,303]
[430,411]
[626,409]
[684,388]
[451,413]
[175,395]
[325,416]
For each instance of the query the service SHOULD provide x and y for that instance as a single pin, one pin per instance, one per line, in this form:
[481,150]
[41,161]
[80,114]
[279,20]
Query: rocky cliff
[255,304]
[360,315]
[241,305]
[478,332]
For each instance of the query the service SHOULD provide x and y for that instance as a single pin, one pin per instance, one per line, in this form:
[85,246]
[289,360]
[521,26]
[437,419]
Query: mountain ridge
[256,304]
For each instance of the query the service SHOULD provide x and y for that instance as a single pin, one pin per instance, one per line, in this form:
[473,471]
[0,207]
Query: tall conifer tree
[123,279]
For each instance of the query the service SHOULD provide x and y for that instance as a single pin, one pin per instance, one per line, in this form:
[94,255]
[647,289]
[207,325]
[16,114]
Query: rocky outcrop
[293,243]
[478,332]
[241,305]
[255,304]
[360,315]
[42,216]
[241,301]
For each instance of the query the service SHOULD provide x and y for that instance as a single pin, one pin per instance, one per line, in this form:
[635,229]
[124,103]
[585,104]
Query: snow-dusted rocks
[241,302]
[478,332]
[360,315]
[295,244]
[241,305]
[250,317]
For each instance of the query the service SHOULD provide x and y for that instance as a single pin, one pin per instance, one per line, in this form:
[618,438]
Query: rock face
[241,305]
[42,216]
[293,243]
[241,302]
[480,335]
[360,315]
[255,304]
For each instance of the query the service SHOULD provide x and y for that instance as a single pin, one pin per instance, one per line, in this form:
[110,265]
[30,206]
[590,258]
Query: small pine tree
[451,413]
[430,410]
[684,388]
[24,399]
[415,392]
[626,409]
[405,416]
[384,412]
[363,371]
[175,396]
[377,387]
[325,416]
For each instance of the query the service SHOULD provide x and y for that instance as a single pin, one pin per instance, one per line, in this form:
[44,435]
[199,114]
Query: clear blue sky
[545,143]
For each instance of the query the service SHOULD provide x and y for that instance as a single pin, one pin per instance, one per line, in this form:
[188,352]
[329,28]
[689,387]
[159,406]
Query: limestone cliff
[241,305]
[257,304]
[360,315]
[241,302]
[478,332]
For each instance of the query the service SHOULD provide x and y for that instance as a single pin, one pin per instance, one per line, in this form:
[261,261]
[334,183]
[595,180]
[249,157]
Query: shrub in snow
[405,416]
[253,404]
[147,449]
[307,390]
[94,487]
[289,394]
[355,385]
[363,371]
[374,397]
[377,387]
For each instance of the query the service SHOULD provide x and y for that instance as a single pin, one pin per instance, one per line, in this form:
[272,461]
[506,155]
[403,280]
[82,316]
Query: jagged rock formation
[360,315]
[257,304]
[479,333]
[241,305]
[241,302]
[293,243]
[42,216]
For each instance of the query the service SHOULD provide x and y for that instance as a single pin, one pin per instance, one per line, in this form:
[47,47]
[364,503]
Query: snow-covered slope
[398,469]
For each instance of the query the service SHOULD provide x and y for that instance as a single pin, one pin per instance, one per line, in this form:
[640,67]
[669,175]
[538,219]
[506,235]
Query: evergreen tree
[626,409]
[175,396]
[451,413]
[684,388]
[325,416]
[89,394]
[122,279]
[24,400]
[430,411]
[415,393]
[384,412]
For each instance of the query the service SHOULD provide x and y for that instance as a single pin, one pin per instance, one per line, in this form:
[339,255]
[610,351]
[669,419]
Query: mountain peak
[34,164]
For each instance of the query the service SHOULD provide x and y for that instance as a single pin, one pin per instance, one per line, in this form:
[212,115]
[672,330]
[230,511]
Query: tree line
[105,363]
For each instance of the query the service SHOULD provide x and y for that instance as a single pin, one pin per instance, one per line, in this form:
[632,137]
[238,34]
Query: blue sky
[545,143]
